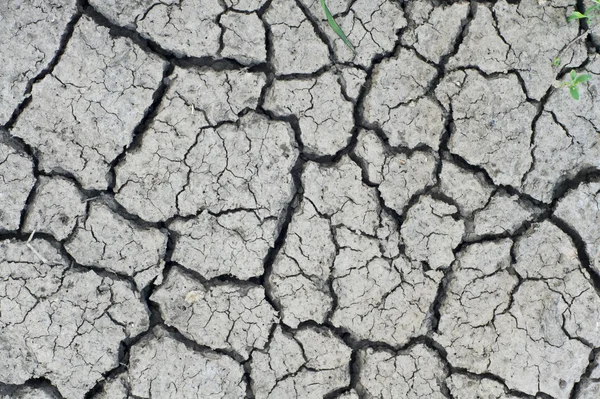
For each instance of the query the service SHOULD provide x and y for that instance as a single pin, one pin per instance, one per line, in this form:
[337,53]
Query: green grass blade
[576,15]
[589,10]
[336,28]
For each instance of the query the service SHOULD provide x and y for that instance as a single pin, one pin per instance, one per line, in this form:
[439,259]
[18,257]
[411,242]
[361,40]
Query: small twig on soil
[33,249]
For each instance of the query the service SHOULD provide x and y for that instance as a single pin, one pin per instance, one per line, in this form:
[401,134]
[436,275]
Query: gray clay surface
[218,199]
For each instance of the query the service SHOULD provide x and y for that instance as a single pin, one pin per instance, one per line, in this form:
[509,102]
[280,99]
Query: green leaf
[574,15]
[573,75]
[336,28]
[574,92]
[556,61]
[589,10]
[582,78]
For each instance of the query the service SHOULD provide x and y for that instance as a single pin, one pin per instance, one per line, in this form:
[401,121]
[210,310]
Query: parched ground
[218,199]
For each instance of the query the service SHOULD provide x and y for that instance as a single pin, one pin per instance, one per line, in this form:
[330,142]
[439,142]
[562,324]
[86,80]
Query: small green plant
[587,14]
[336,28]
[556,62]
[574,82]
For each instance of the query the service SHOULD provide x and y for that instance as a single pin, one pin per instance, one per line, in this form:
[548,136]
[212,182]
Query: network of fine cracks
[347,152]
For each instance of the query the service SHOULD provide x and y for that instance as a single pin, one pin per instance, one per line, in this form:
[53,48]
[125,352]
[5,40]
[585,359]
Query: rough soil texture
[218,199]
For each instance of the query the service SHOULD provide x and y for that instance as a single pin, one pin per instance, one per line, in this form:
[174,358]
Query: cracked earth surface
[218,199]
